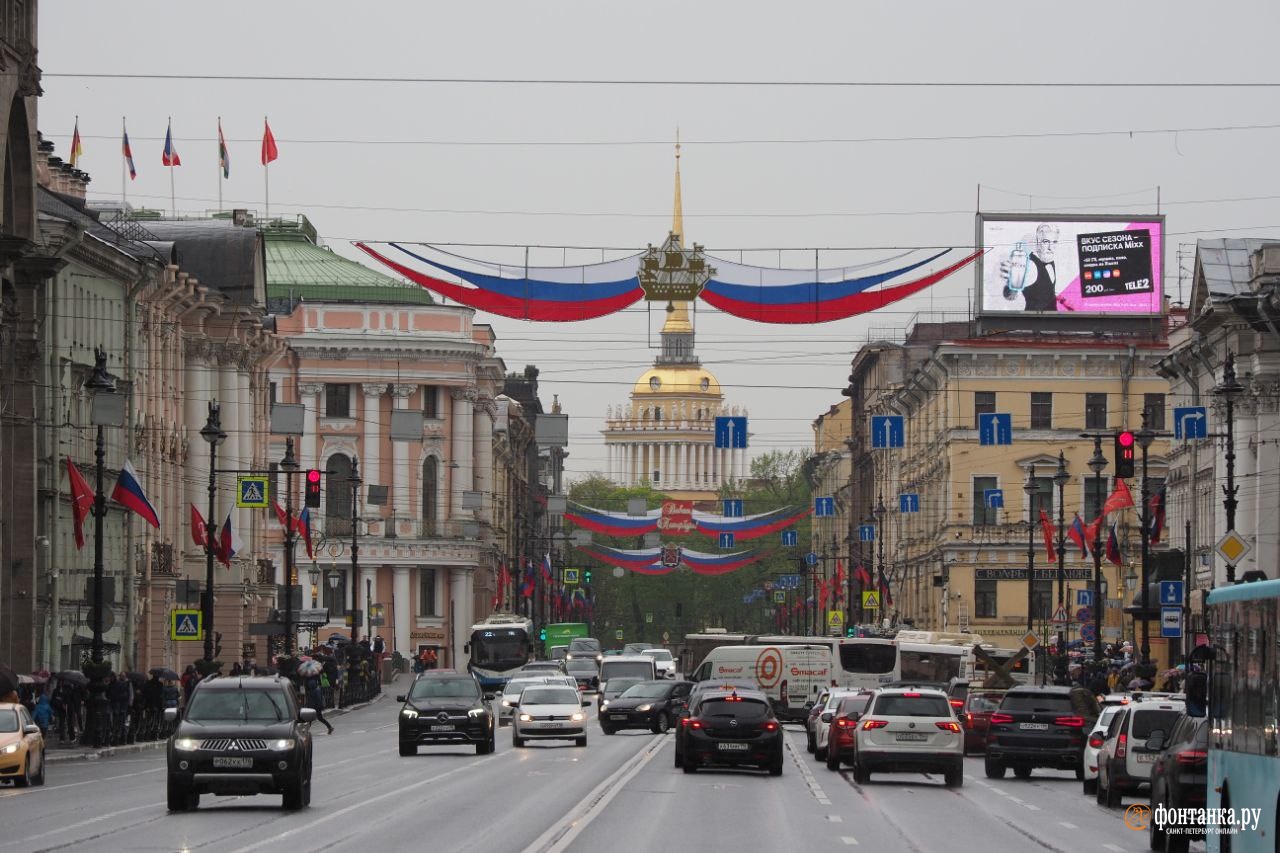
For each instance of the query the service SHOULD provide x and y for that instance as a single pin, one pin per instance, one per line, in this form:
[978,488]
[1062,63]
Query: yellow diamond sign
[1233,547]
[1030,640]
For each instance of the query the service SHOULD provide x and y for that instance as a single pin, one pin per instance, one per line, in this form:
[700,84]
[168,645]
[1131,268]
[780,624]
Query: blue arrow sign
[1190,422]
[909,502]
[731,431]
[726,540]
[993,498]
[886,431]
[733,508]
[811,559]
[824,506]
[1084,598]
[995,428]
[866,533]
[1171,593]
[790,539]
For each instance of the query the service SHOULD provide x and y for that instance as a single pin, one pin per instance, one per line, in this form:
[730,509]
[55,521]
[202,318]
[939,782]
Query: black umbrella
[163,673]
[75,676]
[8,680]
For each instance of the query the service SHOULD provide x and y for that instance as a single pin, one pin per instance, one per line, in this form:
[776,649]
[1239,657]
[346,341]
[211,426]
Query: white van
[626,666]
[790,675]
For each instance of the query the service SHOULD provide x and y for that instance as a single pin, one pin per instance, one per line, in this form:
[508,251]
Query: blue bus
[1244,713]
[499,646]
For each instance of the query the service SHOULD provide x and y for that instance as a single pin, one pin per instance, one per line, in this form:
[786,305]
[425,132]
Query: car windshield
[658,654]
[853,705]
[1146,722]
[8,721]
[584,644]
[614,668]
[514,686]
[1049,703]
[581,665]
[549,666]
[444,688]
[982,702]
[905,705]
[833,701]
[620,685]
[259,706]
[739,709]
[549,696]
[646,690]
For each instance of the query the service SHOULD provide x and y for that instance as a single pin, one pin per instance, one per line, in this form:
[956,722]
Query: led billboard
[1065,264]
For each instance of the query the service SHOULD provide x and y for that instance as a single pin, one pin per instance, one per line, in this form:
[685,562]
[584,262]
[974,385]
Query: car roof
[640,658]
[1040,689]
[444,673]
[235,682]
[929,691]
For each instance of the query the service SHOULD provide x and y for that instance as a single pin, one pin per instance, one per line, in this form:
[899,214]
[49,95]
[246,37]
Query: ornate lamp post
[355,548]
[1031,490]
[334,577]
[1097,464]
[1145,436]
[106,409]
[1060,478]
[290,466]
[880,512]
[313,575]
[212,433]
[1229,390]
[1130,581]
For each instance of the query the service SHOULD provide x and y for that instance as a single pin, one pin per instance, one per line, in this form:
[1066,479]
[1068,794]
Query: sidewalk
[56,752]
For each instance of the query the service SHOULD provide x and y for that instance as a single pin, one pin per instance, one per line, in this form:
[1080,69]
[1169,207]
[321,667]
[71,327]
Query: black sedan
[653,705]
[732,729]
[1178,777]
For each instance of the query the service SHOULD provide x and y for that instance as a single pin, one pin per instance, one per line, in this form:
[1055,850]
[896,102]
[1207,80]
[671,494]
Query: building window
[272,390]
[1041,410]
[1095,411]
[657,413]
[984,598]
[984,403]
[1153,408]
[1095,492]
[337,496]
[431,401]
[430,493]
[983,514]
[1042,600]
[1043,498]
[427,592]
[337,401]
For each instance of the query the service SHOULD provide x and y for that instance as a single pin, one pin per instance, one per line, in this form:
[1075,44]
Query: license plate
[1034,727]
[912,736]
[1146,757]
[232,762]
[442,728]
[617,716]
[733,747]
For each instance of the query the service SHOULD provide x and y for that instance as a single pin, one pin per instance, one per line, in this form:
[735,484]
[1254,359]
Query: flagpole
[173,147]
[219,164]
[266,181]
[124,172]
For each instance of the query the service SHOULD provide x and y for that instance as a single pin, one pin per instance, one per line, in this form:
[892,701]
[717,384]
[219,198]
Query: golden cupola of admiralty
[665,435]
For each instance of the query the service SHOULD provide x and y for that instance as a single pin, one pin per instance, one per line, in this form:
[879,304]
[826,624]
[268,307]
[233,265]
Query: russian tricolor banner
[129,494]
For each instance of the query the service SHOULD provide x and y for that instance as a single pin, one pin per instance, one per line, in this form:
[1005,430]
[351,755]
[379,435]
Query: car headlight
[476,713]
[281,744]
[409,714]
[11,748]
[645,707]
[526,718]
[186,744]
[604,703]
[507,703]
[577,716]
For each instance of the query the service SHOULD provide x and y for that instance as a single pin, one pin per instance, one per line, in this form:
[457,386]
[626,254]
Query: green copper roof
[297,268]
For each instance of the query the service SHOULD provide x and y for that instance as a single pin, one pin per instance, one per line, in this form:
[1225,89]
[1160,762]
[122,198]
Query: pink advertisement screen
[1058,266]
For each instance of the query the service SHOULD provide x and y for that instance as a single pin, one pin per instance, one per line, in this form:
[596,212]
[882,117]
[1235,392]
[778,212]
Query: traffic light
[1125,444]
[313,488]
[851,631]
[586,576]
[542,635]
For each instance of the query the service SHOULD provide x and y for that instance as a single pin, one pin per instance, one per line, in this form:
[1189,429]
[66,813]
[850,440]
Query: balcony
[418,528]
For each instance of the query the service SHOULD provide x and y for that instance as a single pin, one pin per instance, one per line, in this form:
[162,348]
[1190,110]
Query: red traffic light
[1125,439]
[313,474]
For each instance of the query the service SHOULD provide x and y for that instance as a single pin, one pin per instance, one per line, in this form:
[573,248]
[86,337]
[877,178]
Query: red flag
[1091,533]
[81,501]
[199,529]
[822,595]
[1120,498]
[269,149]
[1155,511]
[862,576]
[1046,528]
[281,515]
[1076,534]
[1113,547]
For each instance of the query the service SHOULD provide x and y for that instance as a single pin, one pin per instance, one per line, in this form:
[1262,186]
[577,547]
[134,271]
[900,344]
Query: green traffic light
[542,634]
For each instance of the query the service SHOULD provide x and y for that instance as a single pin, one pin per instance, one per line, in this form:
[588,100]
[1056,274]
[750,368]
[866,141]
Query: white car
[1094,743]
[663,663]
[549,711]
[822,724]
[1124,760]
[510,695]
[912,731]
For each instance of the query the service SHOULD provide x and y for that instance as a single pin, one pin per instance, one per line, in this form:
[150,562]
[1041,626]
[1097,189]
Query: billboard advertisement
[1064,264]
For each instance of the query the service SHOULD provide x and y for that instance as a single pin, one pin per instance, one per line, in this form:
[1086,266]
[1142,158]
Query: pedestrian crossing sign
[251,492]
[870,599]
[186,625]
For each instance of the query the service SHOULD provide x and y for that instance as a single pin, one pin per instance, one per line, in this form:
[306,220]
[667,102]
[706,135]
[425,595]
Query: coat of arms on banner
[670,556]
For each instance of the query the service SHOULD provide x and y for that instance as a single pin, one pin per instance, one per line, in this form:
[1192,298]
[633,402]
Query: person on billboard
[1033,275]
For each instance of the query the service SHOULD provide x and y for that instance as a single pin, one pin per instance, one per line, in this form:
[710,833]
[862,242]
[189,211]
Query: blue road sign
[733,508]
[1190,422]
[1170,621]
[186,625]
[886,431]
[1084,614]
[866,533]
[787,582]
[995,428]
[909,502]
[731,431]
[1171,593]
[1084,598]
[811,559]
[726,540]
[993,498]
[1087,632]
[824,506]
[790,538]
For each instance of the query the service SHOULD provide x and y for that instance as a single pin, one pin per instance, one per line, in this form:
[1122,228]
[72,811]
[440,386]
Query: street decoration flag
[546,568]
[269,150]
[303,526]
[169,156]
[1120,498]
[1046,529]
[224,158]
[863,576]
[1076,534]
[229,541]
[1091,532]
[129,494]
[199,527]
[527,583]
[127,151]
[81,501]
[886,597]
[1155,511]
[76,150]
[1113,546]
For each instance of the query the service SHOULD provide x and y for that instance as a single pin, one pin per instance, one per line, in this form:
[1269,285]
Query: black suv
[1037,727]
[731,728]
[240,736]
[652,705]
[444,706]
[1178,777]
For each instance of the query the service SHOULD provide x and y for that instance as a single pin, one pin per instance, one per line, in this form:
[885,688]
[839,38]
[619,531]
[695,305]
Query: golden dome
[677,381]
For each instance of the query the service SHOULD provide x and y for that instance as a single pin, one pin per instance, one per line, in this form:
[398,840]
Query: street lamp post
[106,409]
[1060,478]
[880,513]
[290,465]
[1030,488]
[313,575]
[1130,583]
[1230,390]
[1097,464]
[355,548]
[212,433]
[333,578]
[1145,436]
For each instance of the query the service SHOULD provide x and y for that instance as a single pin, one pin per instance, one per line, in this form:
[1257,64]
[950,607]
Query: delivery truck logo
[769,667]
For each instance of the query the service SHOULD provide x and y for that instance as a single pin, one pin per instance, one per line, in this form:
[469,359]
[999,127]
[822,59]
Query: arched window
[337,496]
[430,493]
[657,413]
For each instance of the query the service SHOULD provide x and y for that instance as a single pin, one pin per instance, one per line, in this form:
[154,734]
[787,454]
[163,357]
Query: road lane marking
[61,829]
[1065,825]
[1031,807]
[1114,847]
[809,779]
[835,818]
[848,839]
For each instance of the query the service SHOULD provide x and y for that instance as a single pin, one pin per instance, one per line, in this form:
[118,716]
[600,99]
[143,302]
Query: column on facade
[462,451]
[371,447]
[400,459]
[197,413]
[633,465]
[309,395]
[1267,464]
[246,522]
[483,441]
[462,613]
[1246,440]
[678,474]
[402,609]
[229,450]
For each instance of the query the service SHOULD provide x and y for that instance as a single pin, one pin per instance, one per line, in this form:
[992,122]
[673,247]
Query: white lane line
[1031,807]
[849,839]
[68,827]
[809,779]
[1065,825]
[1114,847]
[835,818]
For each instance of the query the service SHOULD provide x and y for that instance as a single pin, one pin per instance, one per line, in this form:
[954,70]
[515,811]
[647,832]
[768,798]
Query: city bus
[499,646]
[1244,703]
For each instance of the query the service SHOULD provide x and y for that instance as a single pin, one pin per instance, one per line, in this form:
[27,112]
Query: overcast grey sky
[493,164]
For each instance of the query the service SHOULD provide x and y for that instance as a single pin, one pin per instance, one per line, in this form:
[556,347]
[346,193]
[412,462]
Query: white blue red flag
[129,494]
[170,155]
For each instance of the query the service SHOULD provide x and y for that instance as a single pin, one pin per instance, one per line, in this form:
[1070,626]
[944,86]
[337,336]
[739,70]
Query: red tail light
[1002,718]
[957,703]
[912,695]
[1192,756]
[968,722]
[695,724]
[684,721]
[949,727]
[868,725]
[842,722]
[771,726]
[1070,722]
[1095,740]
[1122,745]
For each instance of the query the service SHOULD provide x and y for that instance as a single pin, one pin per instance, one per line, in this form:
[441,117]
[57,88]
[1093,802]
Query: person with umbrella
[309,671]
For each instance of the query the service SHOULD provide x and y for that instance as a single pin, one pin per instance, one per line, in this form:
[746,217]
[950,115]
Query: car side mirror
[854,717]
[1155,741]
[170,715]
[488,697]
[401,698]
[31,729]
[826,717]
[586,703]
[306,715]
[962,718]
